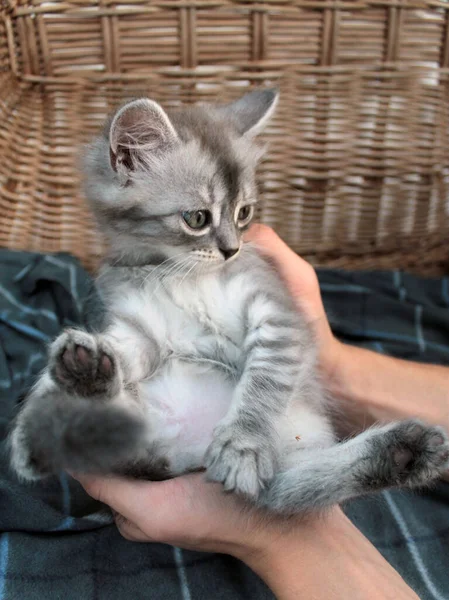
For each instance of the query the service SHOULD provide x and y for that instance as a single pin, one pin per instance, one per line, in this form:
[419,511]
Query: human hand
[187,512]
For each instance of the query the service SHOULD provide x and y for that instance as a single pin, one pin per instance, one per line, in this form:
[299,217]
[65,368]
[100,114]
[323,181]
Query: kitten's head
[177,187]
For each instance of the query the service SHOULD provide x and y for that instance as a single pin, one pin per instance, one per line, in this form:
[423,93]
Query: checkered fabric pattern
[55,544]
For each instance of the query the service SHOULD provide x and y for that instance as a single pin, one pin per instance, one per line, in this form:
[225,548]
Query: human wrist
[360,382]
[371,387]
[292,565]
[335,368]
[353,385]
[282,540]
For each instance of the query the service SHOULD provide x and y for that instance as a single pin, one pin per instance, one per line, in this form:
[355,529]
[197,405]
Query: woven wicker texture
[357,168]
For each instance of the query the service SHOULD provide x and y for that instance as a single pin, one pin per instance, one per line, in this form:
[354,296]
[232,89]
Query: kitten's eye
[197,219]
[245,214]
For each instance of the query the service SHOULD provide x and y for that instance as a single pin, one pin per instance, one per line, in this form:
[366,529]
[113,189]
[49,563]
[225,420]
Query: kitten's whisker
[173,270]
[198,273]
[158,267]
[177,267]
[168,271]
[186,275]
[179,272]
[158,270]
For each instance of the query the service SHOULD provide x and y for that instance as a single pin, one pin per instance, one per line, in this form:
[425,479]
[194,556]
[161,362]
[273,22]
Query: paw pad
[418,453]
[84,365]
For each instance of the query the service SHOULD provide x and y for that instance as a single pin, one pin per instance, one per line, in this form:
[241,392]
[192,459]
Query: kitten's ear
[138,131]
[251,113]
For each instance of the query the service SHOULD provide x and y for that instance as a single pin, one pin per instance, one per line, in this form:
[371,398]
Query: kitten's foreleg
[244,451]
[405,454]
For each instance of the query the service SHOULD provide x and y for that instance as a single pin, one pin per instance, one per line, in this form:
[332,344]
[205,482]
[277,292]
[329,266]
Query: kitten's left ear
[251,113]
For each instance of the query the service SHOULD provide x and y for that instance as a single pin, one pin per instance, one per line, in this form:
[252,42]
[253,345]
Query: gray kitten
[204,362]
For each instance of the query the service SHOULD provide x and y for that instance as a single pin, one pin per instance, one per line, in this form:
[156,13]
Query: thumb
[298,274]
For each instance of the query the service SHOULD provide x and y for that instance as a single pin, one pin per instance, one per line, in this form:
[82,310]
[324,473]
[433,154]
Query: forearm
[375,387]
[327,559]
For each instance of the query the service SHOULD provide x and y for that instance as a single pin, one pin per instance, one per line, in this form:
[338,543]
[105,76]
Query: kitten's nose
[228,252]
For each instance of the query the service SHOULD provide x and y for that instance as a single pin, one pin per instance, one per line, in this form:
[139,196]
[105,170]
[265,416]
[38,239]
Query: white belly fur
[186,400]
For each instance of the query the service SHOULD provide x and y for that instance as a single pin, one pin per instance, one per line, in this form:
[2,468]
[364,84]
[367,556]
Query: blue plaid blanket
[55,544]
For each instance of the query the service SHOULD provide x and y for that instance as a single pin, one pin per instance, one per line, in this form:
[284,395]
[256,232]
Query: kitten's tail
[67,433]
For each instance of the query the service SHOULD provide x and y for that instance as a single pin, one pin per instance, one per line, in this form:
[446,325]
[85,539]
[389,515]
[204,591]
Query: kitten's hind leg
[79,416]
[405,454]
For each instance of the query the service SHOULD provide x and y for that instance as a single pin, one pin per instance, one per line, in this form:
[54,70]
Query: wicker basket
[357,171]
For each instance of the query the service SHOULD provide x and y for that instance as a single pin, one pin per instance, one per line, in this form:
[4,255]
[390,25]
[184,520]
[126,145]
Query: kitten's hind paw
[239,462]
[84,364]
[79,436]
[410,454]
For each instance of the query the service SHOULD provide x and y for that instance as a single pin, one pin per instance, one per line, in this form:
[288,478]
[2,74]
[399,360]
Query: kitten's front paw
[84,364]
[240,461]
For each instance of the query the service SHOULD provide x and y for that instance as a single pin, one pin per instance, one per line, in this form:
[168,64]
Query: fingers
[181,511]
[290,265]
[127,497]
[129,530]
[143,510]
[267,240]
